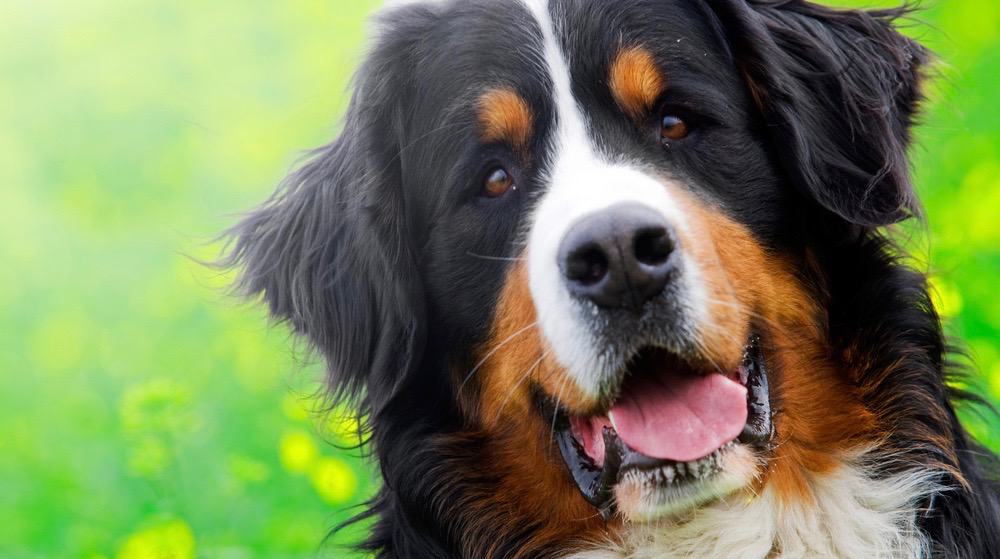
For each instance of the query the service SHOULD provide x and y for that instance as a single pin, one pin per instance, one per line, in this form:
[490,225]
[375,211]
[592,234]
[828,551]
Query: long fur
[341,253]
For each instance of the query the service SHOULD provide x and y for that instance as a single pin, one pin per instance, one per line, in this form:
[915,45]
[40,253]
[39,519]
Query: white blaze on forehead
[581,182]
[572,126]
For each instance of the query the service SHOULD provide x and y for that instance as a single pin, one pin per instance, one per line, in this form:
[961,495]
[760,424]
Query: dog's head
[578,251]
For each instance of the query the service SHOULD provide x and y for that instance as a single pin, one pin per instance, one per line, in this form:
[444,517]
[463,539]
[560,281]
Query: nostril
[618,258]
[653,246]
[587,265]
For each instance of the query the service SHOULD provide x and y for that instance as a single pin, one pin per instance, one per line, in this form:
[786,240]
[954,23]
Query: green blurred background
[145,414]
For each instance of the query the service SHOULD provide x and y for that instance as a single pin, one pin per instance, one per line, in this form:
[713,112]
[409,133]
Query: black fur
[381,254]
[842,89]
[884,312]
[838,90]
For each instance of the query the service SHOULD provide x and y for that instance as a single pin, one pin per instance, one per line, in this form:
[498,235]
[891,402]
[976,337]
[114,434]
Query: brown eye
[673,128]
[498,183]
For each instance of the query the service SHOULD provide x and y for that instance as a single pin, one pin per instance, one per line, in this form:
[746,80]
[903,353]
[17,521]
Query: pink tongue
[679,417]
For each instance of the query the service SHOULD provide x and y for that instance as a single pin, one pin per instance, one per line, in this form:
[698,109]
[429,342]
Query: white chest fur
[853,515]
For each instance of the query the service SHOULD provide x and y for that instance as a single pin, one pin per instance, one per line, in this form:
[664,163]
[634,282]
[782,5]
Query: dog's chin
[662,492]
[673,438]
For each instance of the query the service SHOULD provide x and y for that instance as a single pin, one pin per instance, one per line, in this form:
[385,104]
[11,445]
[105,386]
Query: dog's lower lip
[597,482]
[759,428]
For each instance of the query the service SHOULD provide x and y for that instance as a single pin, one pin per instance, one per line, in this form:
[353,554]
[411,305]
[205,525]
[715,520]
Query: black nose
[619,257]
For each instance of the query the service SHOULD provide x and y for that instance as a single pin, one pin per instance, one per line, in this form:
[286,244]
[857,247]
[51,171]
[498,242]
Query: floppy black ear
[838,90]
[329,252]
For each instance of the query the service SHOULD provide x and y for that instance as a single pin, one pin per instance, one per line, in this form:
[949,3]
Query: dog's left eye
[673,128]
[498,183]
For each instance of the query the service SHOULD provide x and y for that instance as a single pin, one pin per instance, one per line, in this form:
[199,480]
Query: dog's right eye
[498,183]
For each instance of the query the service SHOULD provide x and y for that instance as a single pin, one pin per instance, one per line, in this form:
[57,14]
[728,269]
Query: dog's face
[583,234]
[602,213]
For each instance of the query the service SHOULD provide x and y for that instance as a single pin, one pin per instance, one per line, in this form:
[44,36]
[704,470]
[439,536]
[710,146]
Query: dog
[617,280]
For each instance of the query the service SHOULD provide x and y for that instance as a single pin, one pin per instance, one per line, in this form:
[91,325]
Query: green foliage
[144,413]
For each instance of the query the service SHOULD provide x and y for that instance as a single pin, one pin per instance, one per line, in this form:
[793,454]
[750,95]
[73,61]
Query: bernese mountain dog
[616,279]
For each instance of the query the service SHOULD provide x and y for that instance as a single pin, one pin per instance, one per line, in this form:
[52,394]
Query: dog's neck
[849,513]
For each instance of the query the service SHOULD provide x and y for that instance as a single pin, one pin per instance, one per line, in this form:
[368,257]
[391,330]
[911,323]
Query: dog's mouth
[670,428]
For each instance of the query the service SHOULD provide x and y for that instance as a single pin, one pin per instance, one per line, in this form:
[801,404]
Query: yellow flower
[334,480]
[946,297]
[343,425]
[167,540]
[298,451]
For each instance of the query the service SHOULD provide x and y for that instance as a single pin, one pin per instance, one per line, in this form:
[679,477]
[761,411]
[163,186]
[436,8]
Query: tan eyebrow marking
[636,81]
[505,116]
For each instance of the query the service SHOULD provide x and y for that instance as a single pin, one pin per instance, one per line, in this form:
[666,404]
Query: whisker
[493,352]
[496,258]
[708,355]
[513,389]
[741,308]
[735,305]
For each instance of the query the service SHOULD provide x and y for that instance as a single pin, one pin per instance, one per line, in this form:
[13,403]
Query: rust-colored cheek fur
[819,414]
[529,484]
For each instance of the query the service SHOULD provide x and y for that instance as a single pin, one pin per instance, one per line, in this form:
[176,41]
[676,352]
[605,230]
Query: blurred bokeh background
[143,413]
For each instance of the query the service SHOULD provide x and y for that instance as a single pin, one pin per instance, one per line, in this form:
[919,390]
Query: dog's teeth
[670,473]
[679,472]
